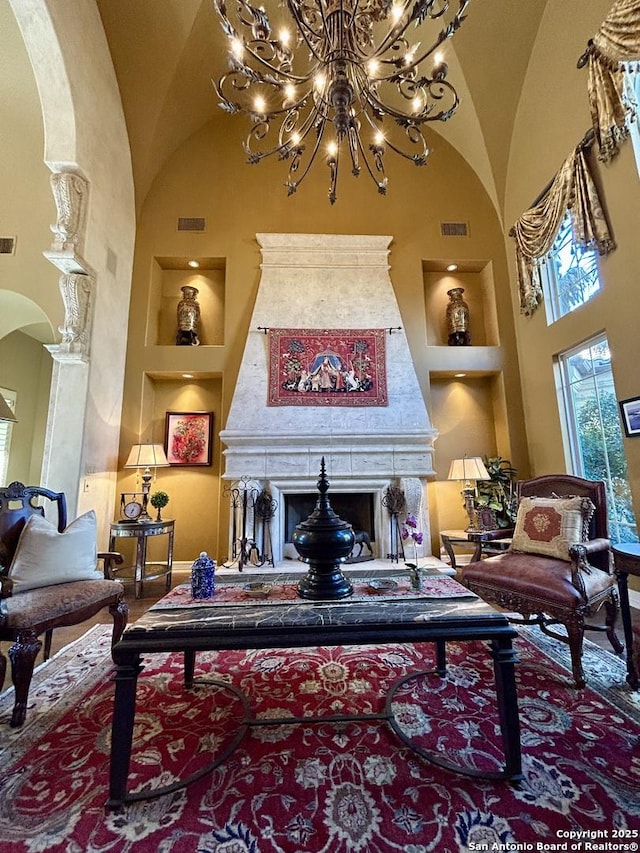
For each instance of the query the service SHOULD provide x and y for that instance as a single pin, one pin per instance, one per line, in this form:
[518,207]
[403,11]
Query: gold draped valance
[573,190]
[616,42]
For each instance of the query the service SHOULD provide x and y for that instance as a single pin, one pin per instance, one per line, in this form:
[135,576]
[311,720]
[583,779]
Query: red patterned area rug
[324,788]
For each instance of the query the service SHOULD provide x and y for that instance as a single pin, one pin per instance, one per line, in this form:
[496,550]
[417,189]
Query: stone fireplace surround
[320,281]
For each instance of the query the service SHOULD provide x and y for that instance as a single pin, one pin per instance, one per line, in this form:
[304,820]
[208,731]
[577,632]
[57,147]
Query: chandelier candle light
[469,470]
[347,77]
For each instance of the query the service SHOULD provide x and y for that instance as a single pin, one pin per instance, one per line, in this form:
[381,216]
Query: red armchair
[548,591]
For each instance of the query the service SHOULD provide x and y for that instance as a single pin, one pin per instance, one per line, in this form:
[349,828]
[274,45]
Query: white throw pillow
[45,557]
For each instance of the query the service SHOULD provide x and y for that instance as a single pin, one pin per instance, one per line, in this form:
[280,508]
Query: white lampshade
[469,468]
[5,412]
[147,456]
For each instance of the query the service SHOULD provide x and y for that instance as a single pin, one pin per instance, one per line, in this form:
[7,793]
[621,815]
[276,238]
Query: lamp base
[470,507]
[146,488]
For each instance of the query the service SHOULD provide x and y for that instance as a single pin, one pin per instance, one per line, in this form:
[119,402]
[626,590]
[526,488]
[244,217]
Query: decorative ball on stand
[158,500]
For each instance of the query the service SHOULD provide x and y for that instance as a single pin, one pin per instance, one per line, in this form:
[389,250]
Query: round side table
[142,531]
[626,561]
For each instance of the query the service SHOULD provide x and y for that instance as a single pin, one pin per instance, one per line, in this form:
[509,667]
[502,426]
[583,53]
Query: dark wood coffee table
[298,624]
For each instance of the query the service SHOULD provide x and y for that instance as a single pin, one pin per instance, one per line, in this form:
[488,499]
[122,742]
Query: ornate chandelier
[347,78]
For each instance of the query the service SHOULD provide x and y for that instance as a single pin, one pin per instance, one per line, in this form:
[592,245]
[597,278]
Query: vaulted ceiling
[166,52]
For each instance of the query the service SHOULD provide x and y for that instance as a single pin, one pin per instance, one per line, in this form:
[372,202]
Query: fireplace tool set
[251,512]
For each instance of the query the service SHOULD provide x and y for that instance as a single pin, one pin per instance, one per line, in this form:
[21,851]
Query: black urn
[324,541]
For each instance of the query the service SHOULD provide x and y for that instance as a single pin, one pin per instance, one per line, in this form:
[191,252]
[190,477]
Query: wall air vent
[7,245]
[191,223]
[454,229]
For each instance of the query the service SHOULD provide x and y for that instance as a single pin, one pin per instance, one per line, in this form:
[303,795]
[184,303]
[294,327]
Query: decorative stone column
[70,192]
[68,399]
[76,289]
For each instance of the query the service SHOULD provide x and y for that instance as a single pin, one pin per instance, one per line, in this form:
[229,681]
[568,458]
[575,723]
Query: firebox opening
[356,508]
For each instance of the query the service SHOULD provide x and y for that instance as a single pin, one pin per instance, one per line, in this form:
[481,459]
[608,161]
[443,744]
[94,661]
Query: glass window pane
[570,276]
[596,437]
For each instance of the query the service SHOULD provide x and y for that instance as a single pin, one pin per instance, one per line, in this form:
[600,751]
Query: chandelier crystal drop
[344,81]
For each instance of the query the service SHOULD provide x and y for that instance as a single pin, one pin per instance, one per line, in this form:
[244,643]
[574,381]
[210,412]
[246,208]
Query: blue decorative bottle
[203,572]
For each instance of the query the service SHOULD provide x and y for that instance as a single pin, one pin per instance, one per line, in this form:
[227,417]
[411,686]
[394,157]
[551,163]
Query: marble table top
[365,612]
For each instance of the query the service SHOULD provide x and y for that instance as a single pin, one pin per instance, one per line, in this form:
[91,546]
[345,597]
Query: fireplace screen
[356,508]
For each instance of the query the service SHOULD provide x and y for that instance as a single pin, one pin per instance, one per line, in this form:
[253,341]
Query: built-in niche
[477,281]
[169,276]
[470,415]
[194,491]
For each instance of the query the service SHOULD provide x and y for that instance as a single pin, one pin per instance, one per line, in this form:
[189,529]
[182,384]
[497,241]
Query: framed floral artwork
[188,438]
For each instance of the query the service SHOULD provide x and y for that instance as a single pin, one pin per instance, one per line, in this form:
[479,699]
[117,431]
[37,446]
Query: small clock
[132,510]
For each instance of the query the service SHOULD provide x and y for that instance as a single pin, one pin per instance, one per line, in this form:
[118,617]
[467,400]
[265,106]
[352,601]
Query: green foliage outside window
[603,458]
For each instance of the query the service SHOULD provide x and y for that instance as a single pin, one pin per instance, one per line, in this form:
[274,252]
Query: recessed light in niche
[193,264]
[459,375]
[452,267]
[187,375]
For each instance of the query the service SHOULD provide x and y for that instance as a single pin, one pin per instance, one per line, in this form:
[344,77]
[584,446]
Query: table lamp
[146,456]
[469,470]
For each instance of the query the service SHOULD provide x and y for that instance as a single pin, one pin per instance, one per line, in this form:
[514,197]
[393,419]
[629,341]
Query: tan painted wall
[552,119]
[25,367]
[208,177]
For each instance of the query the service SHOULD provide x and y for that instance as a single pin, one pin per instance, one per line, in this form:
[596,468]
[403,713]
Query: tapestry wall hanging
[327,367]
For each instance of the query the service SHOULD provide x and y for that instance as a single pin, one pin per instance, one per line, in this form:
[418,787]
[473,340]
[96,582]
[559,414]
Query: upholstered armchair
[48,579]
[557,569]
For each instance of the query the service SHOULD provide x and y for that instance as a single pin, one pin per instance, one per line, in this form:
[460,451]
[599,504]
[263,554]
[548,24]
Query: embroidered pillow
[44,557]
[587,516]
[549,526]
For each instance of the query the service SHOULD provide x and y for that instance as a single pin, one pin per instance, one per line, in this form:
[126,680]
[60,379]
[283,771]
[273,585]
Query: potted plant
[159,500]
[498,494]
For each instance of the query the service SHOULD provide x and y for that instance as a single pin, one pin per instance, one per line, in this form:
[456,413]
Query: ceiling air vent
[454,229]
[7,245]
[191,223]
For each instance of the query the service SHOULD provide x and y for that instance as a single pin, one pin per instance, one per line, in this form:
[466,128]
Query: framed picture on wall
[630,412]
[188,438]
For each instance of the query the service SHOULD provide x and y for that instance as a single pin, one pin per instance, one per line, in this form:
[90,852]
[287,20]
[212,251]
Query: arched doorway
[91,212]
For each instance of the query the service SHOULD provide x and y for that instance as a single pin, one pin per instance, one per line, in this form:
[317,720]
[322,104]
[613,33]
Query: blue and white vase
[203,574]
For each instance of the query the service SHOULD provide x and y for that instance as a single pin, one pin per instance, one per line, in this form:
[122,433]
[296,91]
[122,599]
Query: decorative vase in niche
[457,319]
[188,317]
